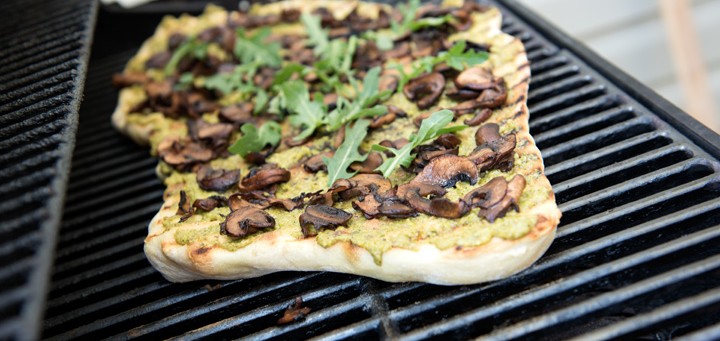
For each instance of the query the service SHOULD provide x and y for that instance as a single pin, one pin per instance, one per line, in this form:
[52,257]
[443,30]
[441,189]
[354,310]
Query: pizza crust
[278,251]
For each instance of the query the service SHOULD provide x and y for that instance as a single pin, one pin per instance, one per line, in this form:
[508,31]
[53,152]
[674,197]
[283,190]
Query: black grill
[637,253]
[44,58]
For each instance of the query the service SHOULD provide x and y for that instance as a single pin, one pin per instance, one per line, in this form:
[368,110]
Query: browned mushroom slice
[159,89]
[425,153]
[360,185]
[237,113]
[218,180]
[425,90]
[316,163]
[400,50]
[440,207]
[197,104]
[158,60]
[175,40]
[422,189]
[373,161]
[396,209]
[215,134]
[488,194]
[290,15]
[183,154]
[475,78]
[237,201]
[487,133]
[264,176]
[369,205]
[480,117]
[210,203]
[446,170]
[321,217]
[184,207]
[494,96]
[388,83]
[512,196]
[462,94]
[247,220]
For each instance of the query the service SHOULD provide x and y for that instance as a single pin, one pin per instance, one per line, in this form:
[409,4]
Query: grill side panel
[45,53]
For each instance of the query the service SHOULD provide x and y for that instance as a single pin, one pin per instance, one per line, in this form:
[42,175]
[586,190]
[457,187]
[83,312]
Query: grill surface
[637,254]
[44,53]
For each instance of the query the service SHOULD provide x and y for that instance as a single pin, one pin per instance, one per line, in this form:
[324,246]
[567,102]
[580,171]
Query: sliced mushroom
[183,153]
[290,15]
[512,196]
[493,151]
[158,60]
[373,161]
[247,220]
[197,104]
[322,217]
[446,170]
[184,207]
[360,185]
[400,50]
[316,163]
[488,194]
[218,180]
[494,96]
[487,133]
[462,94]
[262,177]
[369,205]
[388,83]
[475,78]
[440,207]
[425,90]
[373,206]
[392,113]
[210,203]
[238,114]
[216,135]
[480,117]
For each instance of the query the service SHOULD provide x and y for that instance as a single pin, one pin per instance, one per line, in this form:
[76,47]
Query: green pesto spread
[377,235]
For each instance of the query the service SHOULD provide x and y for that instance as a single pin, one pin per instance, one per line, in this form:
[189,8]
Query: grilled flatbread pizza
[389,142]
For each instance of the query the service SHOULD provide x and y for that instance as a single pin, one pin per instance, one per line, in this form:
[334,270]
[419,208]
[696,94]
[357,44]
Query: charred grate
[45,47]
[637,253]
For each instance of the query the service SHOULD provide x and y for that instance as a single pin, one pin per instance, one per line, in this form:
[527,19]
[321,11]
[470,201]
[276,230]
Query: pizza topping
[510,200]
[360,185]
[347,153]
[373,161]
[480,117]
[183,153]
[430,129]
[446,170]
[246,220]
[255,140]
[237,113]
[393,112]
[493,151]
[488,194]
[214,135]
[218,180]
[425,90]
[210,203]
[416,194]
[475,78]
[264,176]
[322,217]
[184,208]
[315,163]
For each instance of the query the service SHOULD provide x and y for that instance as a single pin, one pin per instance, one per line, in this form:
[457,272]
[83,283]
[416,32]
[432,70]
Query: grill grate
[44,57]
[636,254]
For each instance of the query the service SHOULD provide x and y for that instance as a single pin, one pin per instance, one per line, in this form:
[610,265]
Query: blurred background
[670,45]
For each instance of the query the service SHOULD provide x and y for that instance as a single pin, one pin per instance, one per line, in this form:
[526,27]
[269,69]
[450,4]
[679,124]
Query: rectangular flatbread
[345,136]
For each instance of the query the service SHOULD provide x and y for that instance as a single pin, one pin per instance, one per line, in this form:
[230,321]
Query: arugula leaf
[360,107]
[255,140]
[459,59]
[383,41]
[261,99]
[316,35]
[430,129]
[240,79]
[456,57]
[284,74]
[347,153]
[192,47]
[306,114]
[430,22]
[409,11]
[255,49]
